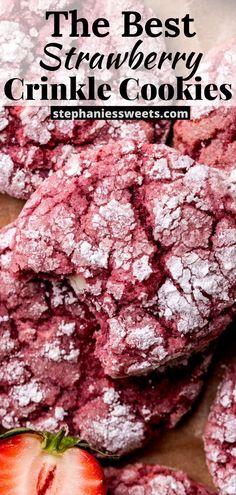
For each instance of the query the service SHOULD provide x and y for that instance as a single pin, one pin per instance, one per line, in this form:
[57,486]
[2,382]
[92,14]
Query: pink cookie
[210,136]
[28,136]
[32,125]
[147,237]
[220,436]
[50,375]
[141,479]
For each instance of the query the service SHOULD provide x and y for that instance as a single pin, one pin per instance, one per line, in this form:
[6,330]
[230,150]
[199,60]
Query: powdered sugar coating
[210,136]
[141,479]
[50,375]
[33,146]
[153,254]
[33,125]
[218,67]
[13,53]
[220,436]
[29,139]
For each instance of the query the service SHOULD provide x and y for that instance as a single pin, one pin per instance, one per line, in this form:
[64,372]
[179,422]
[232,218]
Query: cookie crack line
[104,411]
[139,251]
[220,435]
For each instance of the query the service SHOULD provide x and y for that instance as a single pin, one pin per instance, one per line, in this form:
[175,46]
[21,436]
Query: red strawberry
[35,463]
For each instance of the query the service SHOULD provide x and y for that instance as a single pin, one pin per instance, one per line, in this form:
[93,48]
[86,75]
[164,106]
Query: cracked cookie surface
[147,237]
[50,375]
[210,137]
[33,146]
[220,436]
[141,479]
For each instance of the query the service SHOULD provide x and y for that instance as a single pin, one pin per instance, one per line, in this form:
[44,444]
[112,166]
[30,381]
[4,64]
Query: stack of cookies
[116,281]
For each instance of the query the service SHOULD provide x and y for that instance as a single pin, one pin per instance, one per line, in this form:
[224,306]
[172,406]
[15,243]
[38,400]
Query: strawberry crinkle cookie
[33,146]
[141,479]
[51,377]
[209,137]
[28,136]
[220,436]
[147,238]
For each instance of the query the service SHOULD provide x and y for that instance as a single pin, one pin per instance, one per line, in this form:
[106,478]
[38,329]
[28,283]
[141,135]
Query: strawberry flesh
[26,469]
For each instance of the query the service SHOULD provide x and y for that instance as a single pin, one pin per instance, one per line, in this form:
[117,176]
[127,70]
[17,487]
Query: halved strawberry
[39,463]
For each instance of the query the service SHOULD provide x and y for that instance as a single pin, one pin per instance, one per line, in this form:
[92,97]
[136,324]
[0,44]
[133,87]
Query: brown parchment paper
[181,448]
